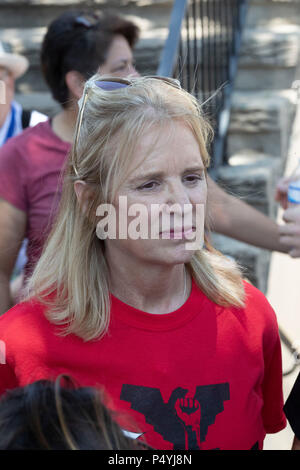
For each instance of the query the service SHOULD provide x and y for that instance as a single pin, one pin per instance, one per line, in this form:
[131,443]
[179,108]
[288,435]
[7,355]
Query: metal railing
[202,52]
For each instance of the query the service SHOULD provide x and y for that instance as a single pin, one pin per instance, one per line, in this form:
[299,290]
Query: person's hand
[281,192]
[290,232]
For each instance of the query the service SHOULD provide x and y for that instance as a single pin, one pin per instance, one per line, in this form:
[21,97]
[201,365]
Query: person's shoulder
[24,308]
[254,296]
[257,306]
[252,292]
[19,145]
[42,128]
[20,316]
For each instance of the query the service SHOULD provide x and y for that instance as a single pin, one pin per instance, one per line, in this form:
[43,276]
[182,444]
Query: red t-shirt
[30,168]
[201,377]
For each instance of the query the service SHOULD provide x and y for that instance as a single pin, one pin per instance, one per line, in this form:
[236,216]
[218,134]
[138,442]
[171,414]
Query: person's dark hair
[58,415]
[79,41]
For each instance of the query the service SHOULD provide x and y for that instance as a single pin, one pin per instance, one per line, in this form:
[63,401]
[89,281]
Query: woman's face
[119,61]
[7,89]
[167,172]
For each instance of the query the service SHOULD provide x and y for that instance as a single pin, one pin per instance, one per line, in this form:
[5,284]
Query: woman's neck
[63,124]
[153,289]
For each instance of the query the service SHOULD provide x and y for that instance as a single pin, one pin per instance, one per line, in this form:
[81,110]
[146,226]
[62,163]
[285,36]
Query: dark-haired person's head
[58,415]
[80,43]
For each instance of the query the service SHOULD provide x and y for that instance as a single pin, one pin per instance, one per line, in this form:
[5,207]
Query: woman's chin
[173,255]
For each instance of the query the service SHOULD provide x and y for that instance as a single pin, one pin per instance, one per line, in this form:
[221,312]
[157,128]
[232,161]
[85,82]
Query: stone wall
[262,115]
[26,29]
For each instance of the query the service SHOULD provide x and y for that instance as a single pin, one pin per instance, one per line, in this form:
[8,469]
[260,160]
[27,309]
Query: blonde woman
[164,323]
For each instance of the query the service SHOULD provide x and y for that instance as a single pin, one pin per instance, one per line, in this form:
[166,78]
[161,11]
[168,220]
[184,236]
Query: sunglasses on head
[111,84]
[88,20]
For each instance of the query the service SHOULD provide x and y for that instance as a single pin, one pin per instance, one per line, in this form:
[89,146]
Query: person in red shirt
[76,44]
[181,344]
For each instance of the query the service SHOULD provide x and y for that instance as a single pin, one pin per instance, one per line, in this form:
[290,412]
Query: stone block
[42,102]
[270,47]
[27,41]
[261,121]
[34,13]
[148,50]
[254,262]
[269,58]
[265,79]
[273,12]
[253,182]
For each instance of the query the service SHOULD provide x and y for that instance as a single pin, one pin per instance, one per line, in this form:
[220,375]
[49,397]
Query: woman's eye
[123,66]
[193,179]
[148,186]
[120,67]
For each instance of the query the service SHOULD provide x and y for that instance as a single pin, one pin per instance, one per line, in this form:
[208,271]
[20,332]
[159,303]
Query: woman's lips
[177,233]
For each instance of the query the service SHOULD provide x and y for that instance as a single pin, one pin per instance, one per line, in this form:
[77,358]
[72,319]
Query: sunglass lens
[109,86]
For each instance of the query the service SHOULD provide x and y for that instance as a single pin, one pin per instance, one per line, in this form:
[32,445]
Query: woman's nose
[133,72]
[178,195]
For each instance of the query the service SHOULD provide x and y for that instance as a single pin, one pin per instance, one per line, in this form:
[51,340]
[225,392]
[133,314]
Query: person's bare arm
[234,218]
[296,444]
[12,232]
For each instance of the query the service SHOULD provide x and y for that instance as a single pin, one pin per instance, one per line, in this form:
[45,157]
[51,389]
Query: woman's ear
[75,83]
[84,195]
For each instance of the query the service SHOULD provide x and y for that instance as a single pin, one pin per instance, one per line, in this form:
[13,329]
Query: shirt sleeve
[8,379]
[13,170]
[264,321]
[292,408]
[273,415]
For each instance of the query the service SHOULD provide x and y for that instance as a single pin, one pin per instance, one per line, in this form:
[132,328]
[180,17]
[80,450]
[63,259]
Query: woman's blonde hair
[71,276]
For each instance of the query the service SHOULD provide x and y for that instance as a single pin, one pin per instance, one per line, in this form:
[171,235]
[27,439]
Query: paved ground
[284,296]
